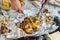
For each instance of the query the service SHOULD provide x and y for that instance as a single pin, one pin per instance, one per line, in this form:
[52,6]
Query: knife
[41,10]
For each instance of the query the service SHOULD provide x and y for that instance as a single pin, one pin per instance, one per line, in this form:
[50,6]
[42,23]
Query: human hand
[45,1]
[16,5]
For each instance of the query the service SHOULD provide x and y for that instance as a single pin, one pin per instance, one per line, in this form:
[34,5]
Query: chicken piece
[34,25]
[5,20]
[29,29]
[35,18]
[4,29]
[24,23]
[36,28]
[45,11]
[38,25]
[52,22]
[49,20]
[29,26]
[6,4]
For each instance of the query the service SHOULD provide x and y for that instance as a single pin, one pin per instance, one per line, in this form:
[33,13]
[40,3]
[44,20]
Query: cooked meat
[29,26]
[4,29]
[24,23]
[6,4]
[29,30]
[45,10]
[49,20]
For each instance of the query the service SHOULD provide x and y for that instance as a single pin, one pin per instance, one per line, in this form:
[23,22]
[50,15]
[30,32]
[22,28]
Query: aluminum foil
[14,17]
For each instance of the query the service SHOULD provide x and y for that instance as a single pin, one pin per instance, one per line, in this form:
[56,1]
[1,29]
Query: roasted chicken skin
[29,26]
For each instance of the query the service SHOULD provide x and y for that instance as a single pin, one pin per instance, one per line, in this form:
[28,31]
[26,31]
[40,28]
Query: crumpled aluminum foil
[16,32]
[14,17]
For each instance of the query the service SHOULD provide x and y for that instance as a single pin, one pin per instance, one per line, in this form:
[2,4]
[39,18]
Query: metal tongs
[41,10]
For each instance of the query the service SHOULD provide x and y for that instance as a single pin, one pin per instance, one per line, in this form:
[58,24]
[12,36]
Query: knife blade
[41,10]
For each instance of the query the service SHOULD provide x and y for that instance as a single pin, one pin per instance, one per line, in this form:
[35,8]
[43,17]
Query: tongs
[41,10]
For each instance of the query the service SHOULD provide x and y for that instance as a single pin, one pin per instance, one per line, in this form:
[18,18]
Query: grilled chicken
[29,26]
[4,29]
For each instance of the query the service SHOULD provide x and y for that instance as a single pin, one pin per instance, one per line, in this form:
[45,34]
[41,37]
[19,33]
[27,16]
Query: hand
[58,1]
[43,1]
[16,5]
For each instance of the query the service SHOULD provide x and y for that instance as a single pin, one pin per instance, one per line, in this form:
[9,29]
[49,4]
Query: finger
[20,11]
[47,1]
[18,4]
[43,1]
